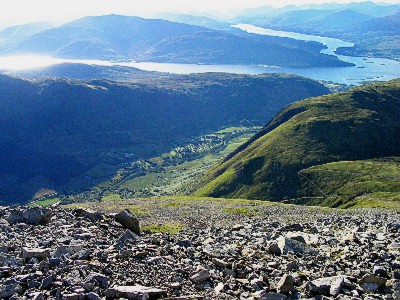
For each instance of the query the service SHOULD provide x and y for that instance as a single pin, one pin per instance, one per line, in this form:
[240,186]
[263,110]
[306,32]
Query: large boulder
[201,274]
[290,245]
[32,216]
[128,220]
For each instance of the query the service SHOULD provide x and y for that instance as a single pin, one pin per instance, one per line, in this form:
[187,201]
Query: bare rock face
[136,292]
[128,220]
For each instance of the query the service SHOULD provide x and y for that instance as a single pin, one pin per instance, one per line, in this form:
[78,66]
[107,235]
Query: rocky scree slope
[289,252]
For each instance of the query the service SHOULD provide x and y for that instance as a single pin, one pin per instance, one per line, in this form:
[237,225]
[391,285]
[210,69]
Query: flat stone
[67,249]
[127,236]
[369,287]
[28,253]
[136,292]
[221,263]
[273,296]
[8,290]
[200,275]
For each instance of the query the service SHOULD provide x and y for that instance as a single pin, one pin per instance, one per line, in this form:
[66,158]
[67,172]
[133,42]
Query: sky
[14,12]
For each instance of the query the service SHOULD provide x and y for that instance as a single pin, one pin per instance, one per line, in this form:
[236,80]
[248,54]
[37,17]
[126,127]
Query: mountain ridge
[354,125]
[114,37]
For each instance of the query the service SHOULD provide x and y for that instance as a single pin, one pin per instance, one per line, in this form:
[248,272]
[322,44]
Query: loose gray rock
[274,248]
[201,274]
[286,284]
[28,253]
[289,245]
[328,286]
[91,215]
[136,292]
[369,278]
[127,236]
[32,216]
[273,296]
[67,249]
[101,279]
[129,221]
[10,289]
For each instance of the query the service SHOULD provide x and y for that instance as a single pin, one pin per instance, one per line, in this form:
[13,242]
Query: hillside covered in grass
[360,124]
[351,184]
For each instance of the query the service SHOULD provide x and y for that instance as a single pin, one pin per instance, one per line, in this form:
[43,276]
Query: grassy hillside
[362,123]
[362,183]
[63,134]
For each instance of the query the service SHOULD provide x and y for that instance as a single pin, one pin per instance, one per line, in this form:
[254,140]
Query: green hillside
[359,124]
[363,183]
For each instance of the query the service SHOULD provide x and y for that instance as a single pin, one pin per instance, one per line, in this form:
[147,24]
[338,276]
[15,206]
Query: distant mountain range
[16,33]
[332,150]
[202,21]
[314,20]
[265,13]
[379,37]
[115,37]
[373,27]
[65,135]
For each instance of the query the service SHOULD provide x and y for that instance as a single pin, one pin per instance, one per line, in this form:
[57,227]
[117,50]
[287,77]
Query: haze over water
[366,69]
